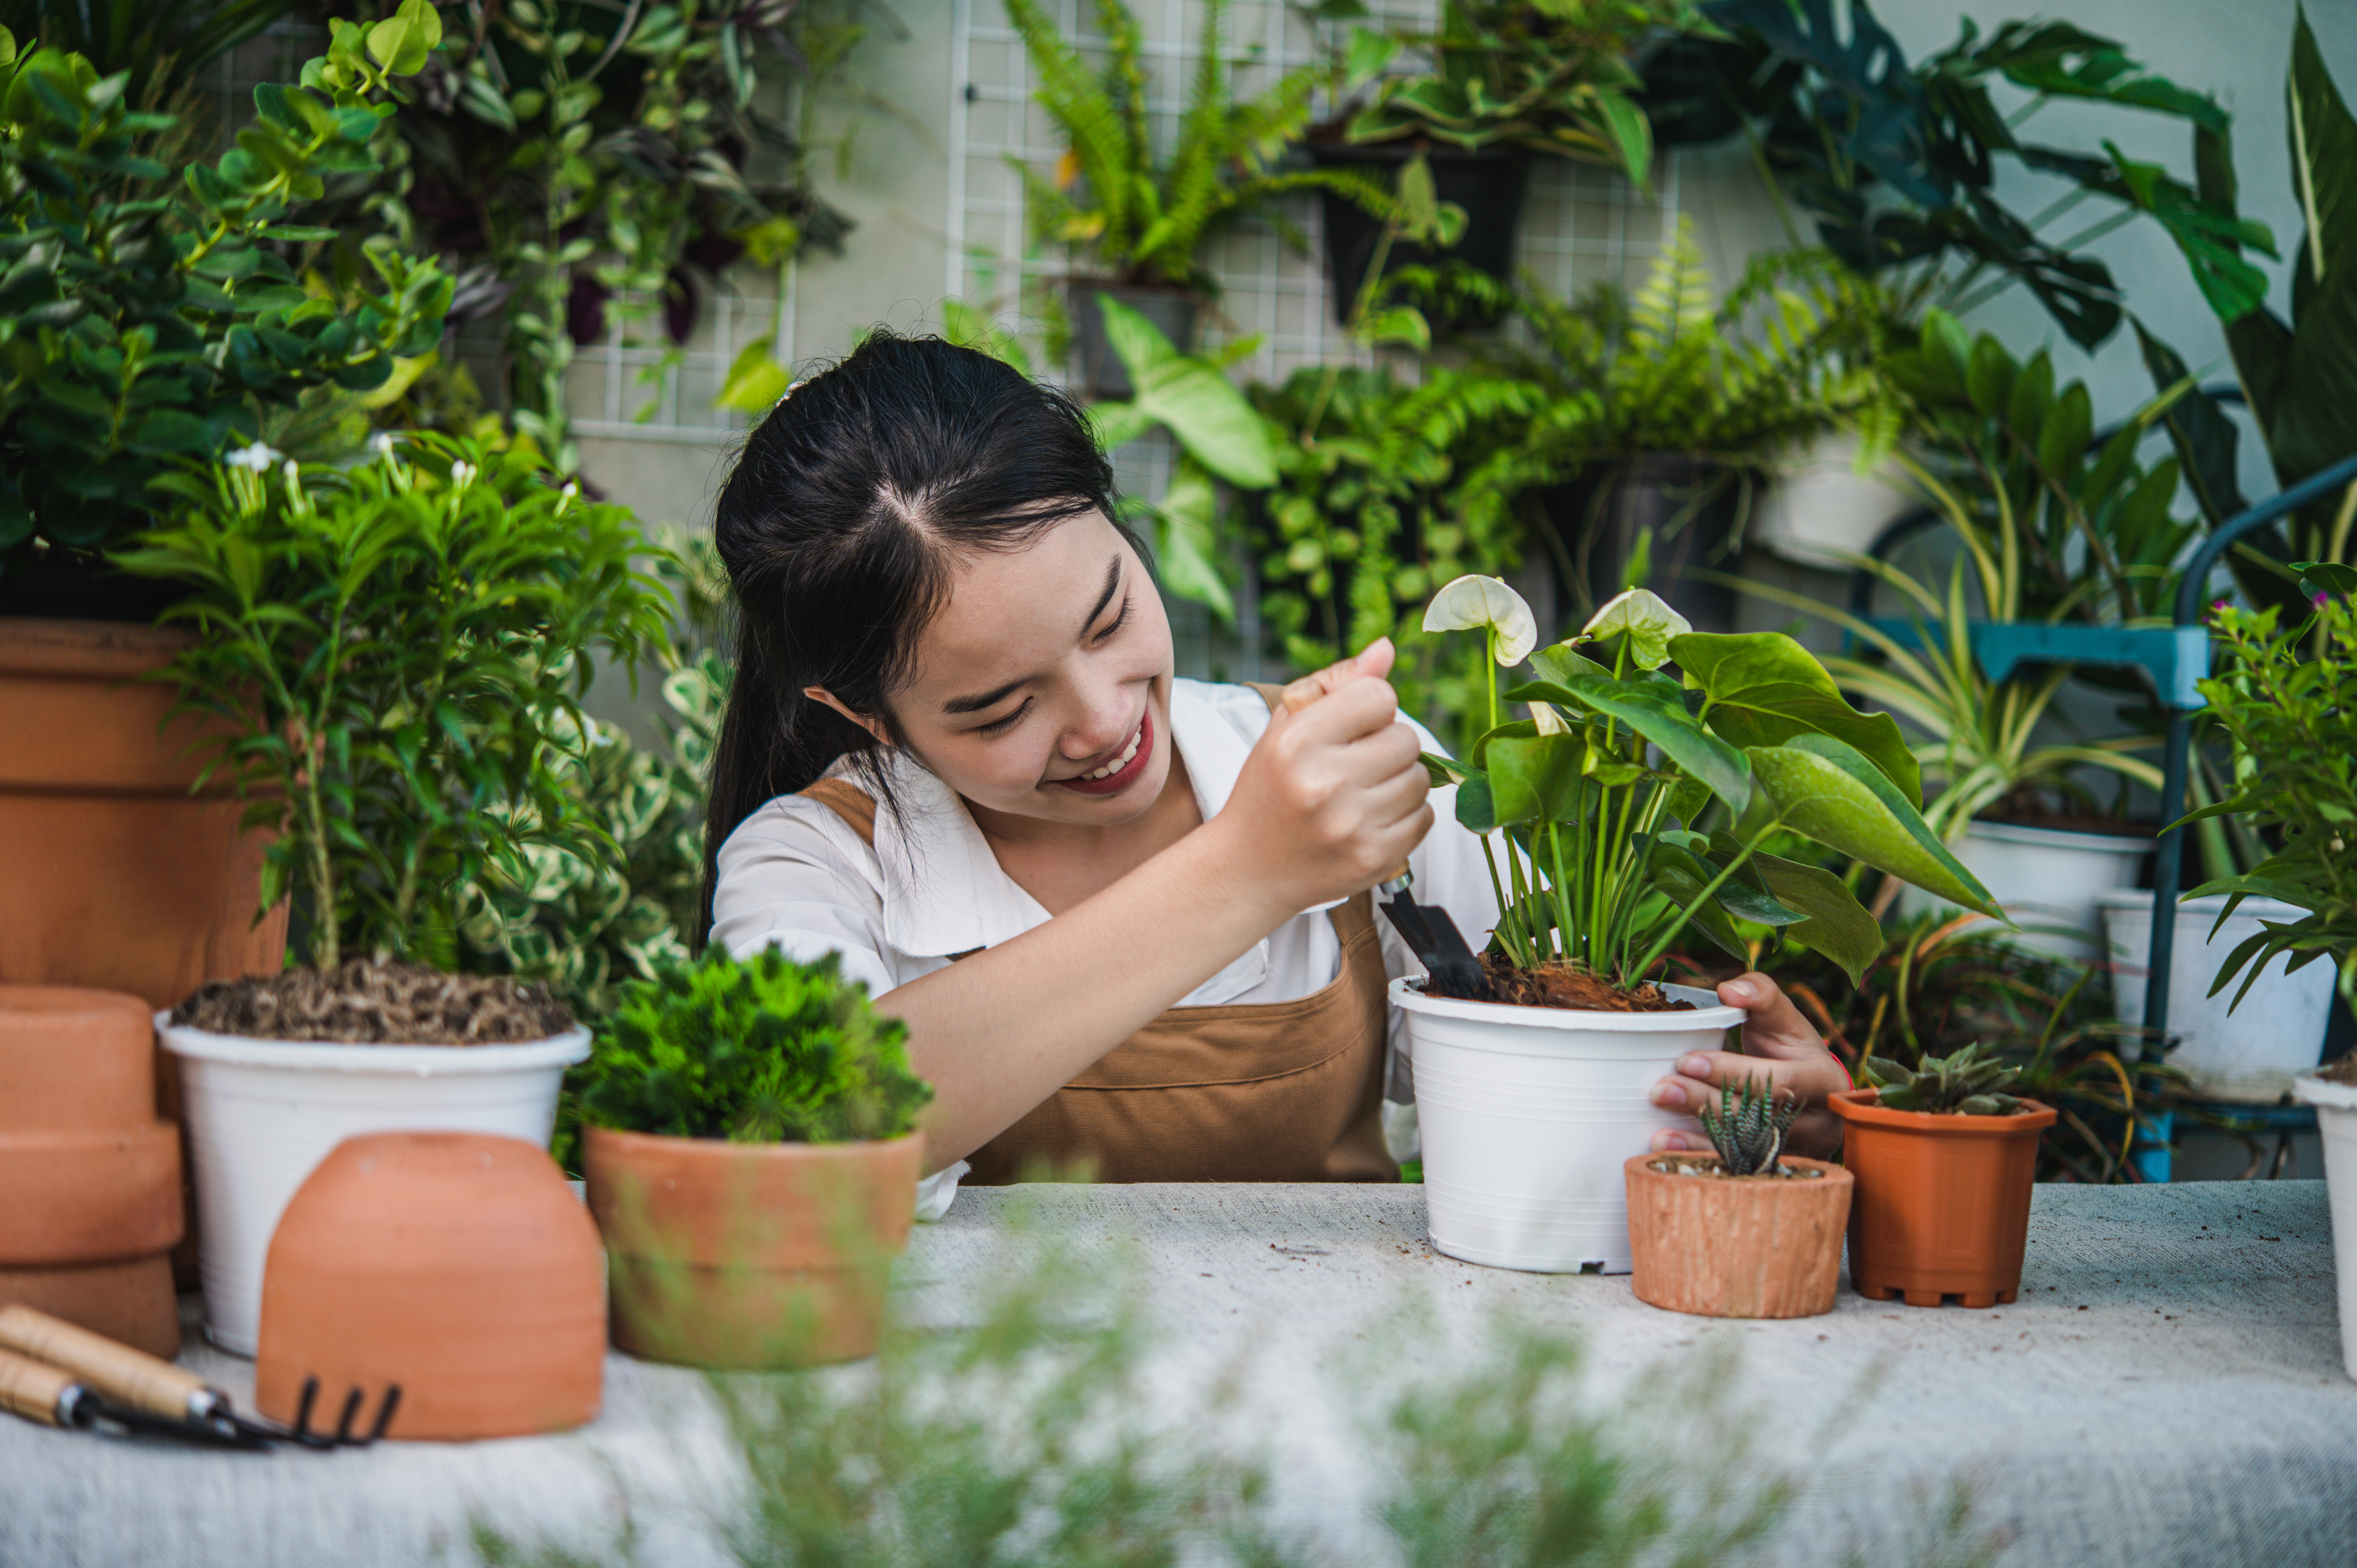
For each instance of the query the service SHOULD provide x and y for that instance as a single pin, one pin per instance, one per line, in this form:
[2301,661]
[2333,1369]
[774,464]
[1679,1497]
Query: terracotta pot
[1942,1205]
[1751,1247]
[457,1264]
[749,1254]
[89,1180]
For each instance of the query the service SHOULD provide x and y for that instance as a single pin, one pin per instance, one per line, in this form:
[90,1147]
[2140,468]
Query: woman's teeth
[1118,762]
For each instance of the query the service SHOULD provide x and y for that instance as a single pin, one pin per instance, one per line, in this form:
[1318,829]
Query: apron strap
[847,801]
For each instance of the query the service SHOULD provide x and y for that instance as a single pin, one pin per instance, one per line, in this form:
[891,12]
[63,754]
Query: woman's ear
[872,727]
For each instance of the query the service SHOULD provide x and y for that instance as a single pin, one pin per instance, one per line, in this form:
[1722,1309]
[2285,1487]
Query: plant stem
[1662,942]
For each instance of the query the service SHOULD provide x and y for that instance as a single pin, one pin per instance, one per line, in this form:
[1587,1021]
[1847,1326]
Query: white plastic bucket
[2336,1123]
[1527,1114]
[2251,1054]
[262,1114]
[2044,877]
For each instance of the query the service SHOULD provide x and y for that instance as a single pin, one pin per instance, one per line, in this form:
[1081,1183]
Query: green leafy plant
[392,659]
[762,1050]
[2294,724]
[162,44]
[1747,1129]
[1139,218]
[1635,804]
[1966,1082]
[147,314]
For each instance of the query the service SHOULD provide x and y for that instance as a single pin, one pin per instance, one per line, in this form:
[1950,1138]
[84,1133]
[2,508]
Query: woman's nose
[1106,723]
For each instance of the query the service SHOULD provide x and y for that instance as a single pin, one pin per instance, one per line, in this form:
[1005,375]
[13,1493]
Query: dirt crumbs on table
[1560,985]
[369,1002]
[2342,1071]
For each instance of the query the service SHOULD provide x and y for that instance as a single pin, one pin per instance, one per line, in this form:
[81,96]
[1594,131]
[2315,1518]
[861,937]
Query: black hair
[840,526]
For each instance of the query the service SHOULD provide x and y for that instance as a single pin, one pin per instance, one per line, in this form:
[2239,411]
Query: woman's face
[1043,687]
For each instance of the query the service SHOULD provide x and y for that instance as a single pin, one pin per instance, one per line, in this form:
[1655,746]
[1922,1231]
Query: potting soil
[367,1001]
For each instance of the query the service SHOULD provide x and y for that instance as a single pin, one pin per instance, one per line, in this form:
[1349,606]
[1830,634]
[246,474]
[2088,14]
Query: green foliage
[147,314]
[2294,723]
[392,658]
[765,1050]
[1747,1129]
[1966,1082]
[1604,791]
[1142,219]
[162,44]
[1528,73]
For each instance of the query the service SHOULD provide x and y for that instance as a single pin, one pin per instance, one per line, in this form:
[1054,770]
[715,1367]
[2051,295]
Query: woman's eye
[1118,622]
[1000,727]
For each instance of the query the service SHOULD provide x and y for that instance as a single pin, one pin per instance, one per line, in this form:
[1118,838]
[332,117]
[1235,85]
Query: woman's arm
[1330,799]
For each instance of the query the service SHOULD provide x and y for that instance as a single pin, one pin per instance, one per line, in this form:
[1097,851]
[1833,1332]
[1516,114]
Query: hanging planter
[1817,508]
[1683,513]
[2250,1053]
[1489,185]
[2333,1092]
[1171,309]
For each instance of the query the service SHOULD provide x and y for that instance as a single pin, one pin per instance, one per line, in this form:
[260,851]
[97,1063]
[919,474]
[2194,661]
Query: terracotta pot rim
[52,1001]
[715,1150]
[70,645]
[1829,1173]
[379,1061]
[1860,1105]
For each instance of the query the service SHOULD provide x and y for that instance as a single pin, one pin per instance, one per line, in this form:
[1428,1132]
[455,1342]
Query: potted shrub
[1944,1160]
[1747,1232]
[391,660]
[150,313]
[748,1132]
[1632,809]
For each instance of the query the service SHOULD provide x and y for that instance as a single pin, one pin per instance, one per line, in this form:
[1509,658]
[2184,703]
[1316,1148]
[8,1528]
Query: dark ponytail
[839,527]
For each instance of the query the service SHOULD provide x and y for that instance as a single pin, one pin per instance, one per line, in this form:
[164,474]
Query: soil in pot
[1942,1203]
[1489,185]
[376,1001]
[1561,985]
[1722,1246]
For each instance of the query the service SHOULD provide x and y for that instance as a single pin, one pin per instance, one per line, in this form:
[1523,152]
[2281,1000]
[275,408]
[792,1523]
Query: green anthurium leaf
[1764,689]
[1443,771]
[1658,715]
[1836,923]
[1475,810]
[1535,780]
[1512,729]
[1683,887]
[1560,663]
[1828,790]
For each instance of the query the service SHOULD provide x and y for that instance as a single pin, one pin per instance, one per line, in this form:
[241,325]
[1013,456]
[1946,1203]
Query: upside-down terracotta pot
[1735,1246]
[749,1255]
[90,1179]
[459,1265]
[1942,1204]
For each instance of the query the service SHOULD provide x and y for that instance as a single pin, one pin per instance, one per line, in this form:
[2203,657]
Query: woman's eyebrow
[998,695]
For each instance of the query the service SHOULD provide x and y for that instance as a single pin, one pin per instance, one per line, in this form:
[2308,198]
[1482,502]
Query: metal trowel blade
[1438,944]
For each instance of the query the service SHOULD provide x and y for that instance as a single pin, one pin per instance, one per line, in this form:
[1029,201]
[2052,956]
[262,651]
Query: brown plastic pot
[1942,1205]
[749,1255]
[89,1180]
[457,1264]
[1749,1247]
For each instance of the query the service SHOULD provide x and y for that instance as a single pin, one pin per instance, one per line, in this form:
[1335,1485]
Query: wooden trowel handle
[126,1376]
[32,1388]
[1299,696]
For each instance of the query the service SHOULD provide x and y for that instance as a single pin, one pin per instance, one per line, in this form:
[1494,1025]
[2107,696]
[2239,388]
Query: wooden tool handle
[32,1388]
[126,1376]
[1299,696]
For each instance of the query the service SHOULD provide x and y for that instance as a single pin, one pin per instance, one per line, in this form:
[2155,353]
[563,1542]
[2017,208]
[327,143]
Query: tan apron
[1271,1092]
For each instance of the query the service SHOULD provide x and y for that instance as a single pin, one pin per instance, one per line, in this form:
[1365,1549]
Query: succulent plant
[1965,1083]
[1747,1130]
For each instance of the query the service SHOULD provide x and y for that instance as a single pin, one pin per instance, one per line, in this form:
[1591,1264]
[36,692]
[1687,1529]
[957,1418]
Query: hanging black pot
[1487,184]
[1683,512]
[86,589]
[1101,373]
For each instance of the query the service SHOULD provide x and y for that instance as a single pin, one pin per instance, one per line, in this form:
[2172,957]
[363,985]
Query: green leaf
[1138,342]
[1475,810]
[1535,780]
[1216,423]
[1764,689]
[1828,790]
[1657,714]
[1836,924]
[1187,551]
[756,380]
[2326,577]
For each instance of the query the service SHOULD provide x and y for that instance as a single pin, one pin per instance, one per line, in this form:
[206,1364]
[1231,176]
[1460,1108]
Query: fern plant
[1142,219]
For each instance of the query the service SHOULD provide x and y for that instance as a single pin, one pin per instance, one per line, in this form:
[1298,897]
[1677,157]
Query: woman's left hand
[1780,1046]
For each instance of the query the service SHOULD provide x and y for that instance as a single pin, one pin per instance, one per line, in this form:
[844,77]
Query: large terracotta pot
[755,1255]
[90,1179]
[459,1265]
[1942,1204]
[1747,1247]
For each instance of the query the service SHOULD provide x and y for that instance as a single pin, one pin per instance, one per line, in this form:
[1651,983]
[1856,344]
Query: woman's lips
[1127,773]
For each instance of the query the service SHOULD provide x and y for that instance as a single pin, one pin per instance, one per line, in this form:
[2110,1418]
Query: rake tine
[385,1407]
[303,1409]
[351,1412]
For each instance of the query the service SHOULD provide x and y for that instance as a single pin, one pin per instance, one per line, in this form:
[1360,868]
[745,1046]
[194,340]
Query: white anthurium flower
[256,459]
[1473,602]
[1648,622]
[1548,720]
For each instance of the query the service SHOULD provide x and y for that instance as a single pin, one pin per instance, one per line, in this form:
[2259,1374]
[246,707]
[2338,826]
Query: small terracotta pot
[751,1255]
[89,1180]
[1942,1205]
[1750,1247]
[457,1264]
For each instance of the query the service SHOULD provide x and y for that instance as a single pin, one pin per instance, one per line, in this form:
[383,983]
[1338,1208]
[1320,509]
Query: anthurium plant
[1631,808]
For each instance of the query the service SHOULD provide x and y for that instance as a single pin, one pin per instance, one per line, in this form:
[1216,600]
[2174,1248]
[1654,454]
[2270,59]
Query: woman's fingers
[1772,1026]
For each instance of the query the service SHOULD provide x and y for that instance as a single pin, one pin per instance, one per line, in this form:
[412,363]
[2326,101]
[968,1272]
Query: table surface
[2167,1389]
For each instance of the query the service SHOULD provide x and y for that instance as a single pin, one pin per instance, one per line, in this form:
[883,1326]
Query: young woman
[1126,916]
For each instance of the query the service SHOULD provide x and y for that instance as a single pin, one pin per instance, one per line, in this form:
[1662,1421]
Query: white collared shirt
[796,876]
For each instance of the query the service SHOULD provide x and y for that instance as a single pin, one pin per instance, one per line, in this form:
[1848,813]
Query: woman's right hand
[1332,799]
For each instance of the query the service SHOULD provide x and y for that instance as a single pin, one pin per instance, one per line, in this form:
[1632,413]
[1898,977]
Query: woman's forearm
[999,1032]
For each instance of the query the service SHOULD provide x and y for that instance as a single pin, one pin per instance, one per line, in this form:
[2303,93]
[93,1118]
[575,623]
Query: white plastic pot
[262,1114]
[1818,507]
[2251,1054]
[2336,1123]
[2044,877]
[1527,1113]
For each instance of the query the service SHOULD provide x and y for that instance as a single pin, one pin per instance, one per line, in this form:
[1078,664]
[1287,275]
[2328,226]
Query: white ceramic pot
[2044,877]
[2251,1054]
[2336,1123]
[1819,509]
[1527,1114]
[262,1114]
